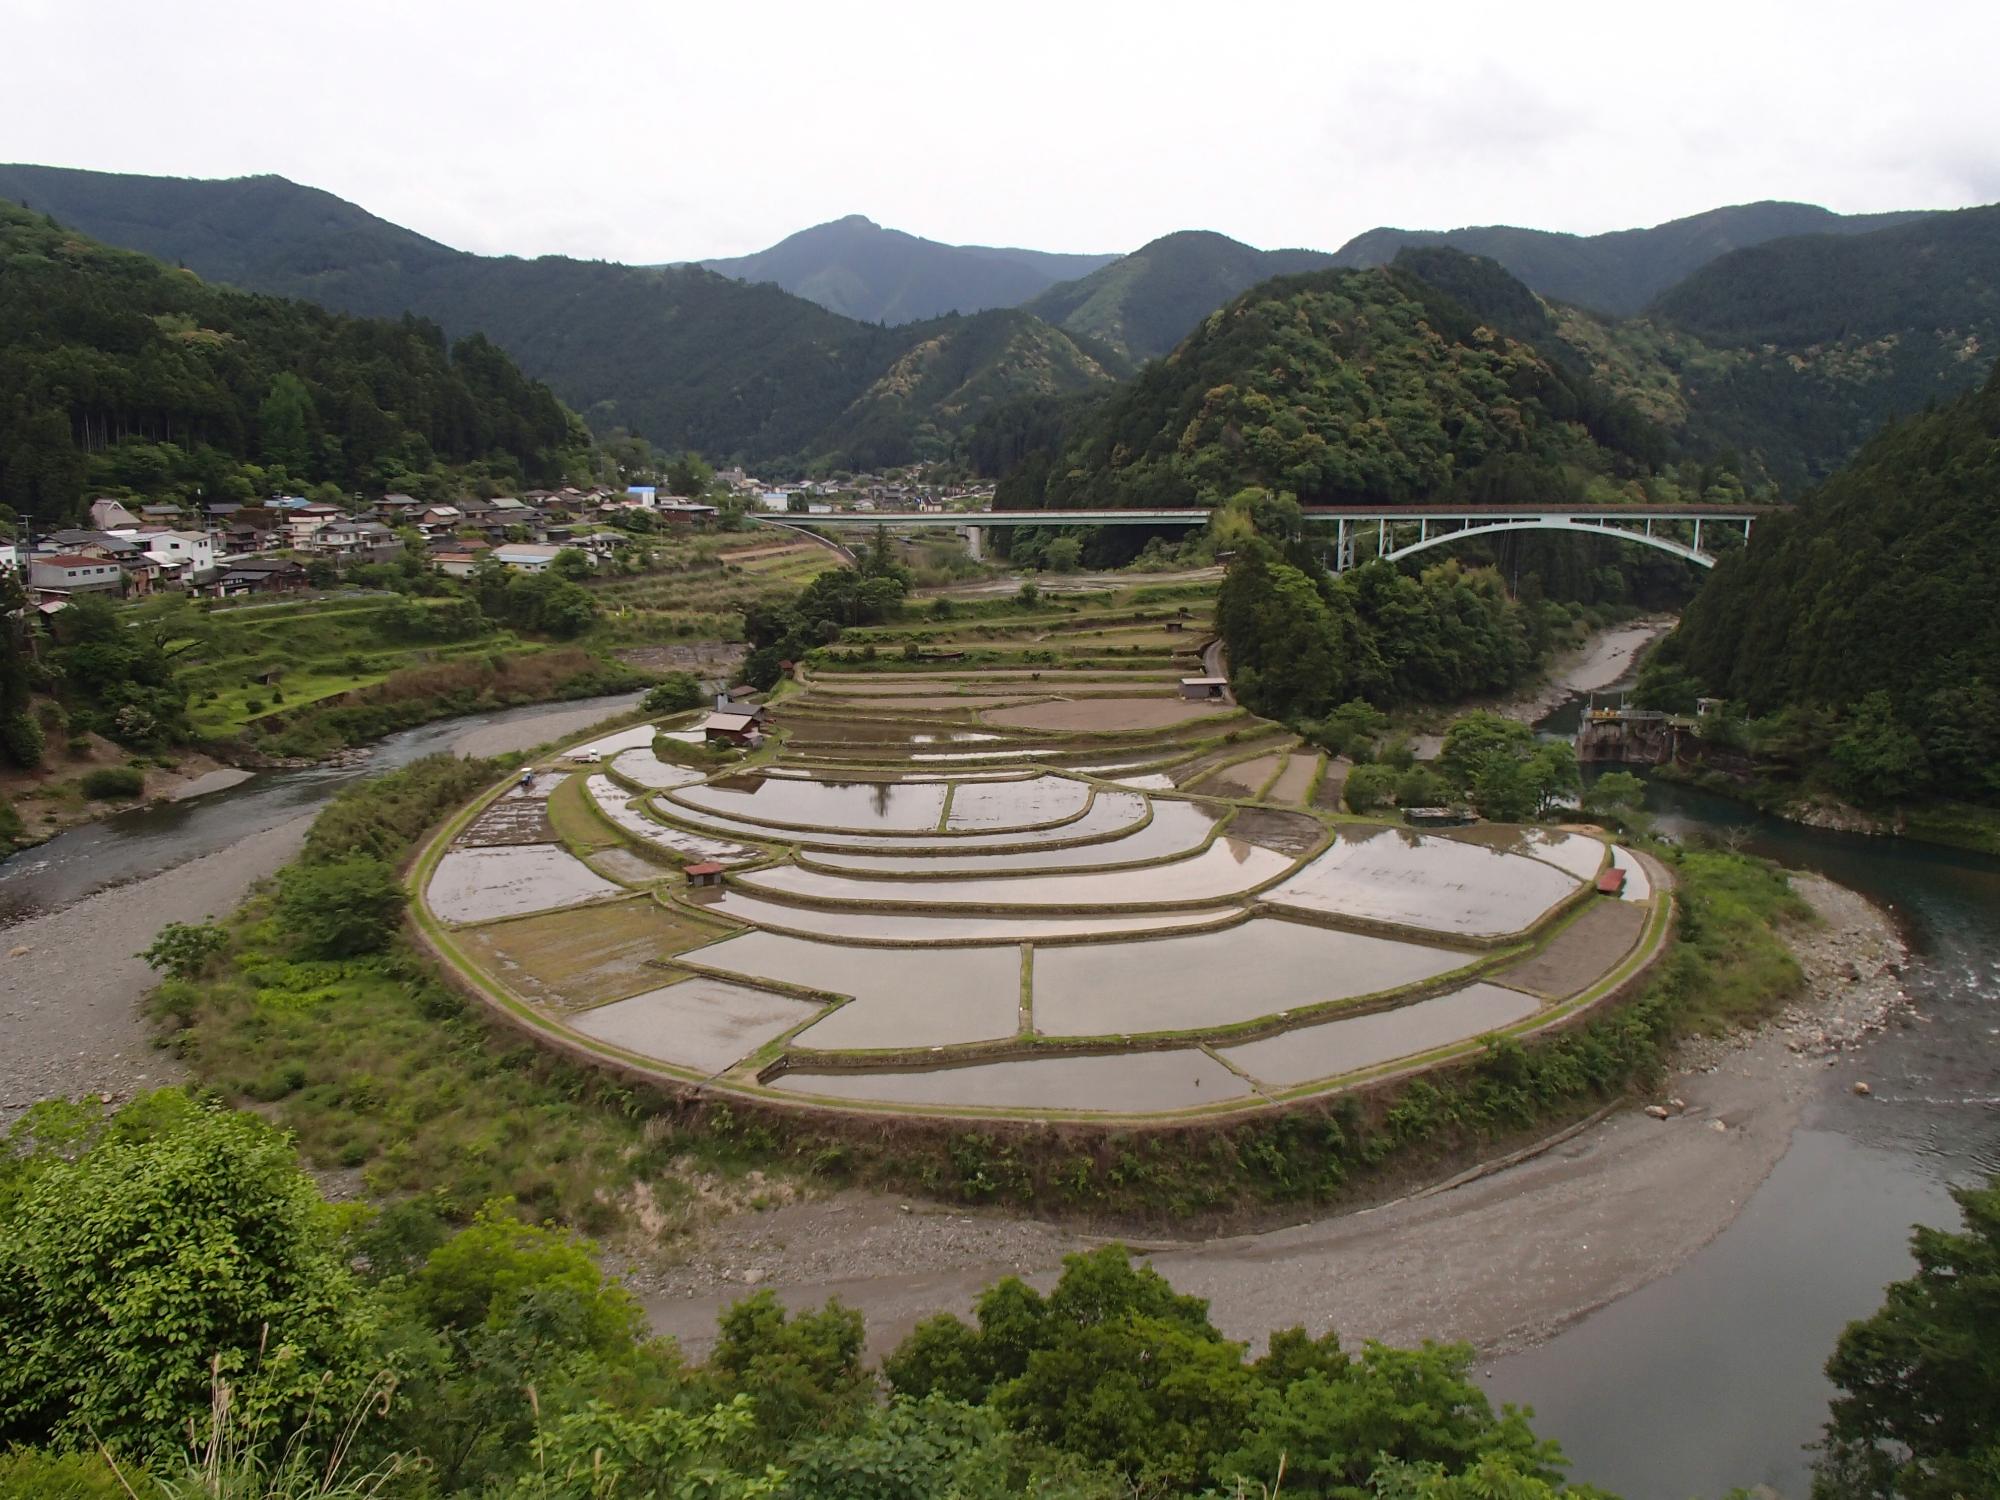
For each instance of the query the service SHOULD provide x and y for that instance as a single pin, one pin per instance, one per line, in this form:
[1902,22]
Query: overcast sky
[665,131]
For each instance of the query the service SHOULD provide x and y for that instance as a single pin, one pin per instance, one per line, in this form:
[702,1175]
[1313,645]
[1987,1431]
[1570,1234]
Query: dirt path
[1503,1261]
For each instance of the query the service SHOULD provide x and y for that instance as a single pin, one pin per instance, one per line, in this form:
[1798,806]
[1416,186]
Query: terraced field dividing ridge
[1061,891]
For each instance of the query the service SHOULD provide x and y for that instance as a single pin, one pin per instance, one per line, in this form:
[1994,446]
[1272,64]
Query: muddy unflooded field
[1588,948]
[575,958]
[1296,779]
[1100,714]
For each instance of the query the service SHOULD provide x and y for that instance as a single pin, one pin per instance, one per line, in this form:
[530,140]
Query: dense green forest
[1862,630]
[1621,271]
[1347,387]
[1144,303]
[680,355]
[120,372]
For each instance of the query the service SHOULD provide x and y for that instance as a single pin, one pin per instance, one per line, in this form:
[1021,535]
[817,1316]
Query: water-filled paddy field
[980,891]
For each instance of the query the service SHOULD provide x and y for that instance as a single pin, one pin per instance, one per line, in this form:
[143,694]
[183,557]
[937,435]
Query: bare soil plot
[627,867]
[701,1023]
[510,820]
[1296,779]
[1123,1085]
[1288,833]
[1106,714]
[1333,785]
[1244,779]
[1337,1047]
[1583,952]
[574,958]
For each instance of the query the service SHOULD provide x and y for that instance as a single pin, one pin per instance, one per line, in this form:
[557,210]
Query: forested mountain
[1144,303]
[117,370]
[1347,386]
[1870,615]
[1941,272]
[855,267]
[681,355]
[1619,272]
[960,370]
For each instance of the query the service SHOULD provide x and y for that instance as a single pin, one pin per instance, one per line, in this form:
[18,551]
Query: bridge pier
[975,542]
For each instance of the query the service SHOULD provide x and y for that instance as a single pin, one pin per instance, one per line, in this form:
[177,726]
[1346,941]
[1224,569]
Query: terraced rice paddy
[1055,890]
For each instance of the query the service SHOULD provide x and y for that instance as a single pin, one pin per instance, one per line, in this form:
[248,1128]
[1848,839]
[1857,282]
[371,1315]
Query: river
[148,840]
[1711,1377]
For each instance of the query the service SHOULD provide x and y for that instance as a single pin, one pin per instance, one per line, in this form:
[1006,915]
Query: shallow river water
[145,841]
[1712,1377]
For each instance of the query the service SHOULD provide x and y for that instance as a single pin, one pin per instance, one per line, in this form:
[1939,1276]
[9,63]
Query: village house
[260,575]
[107,514]
[351,538]
[302,521]
[527,557]
[184,552]
[458,561]
[735,729]
[55,577]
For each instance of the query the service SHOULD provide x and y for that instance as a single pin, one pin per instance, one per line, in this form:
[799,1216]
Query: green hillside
[680,355]
[955,373]
[855,267]
[1144,303]
[121,371]
[1619,272]
[1346,387]
[1870,617]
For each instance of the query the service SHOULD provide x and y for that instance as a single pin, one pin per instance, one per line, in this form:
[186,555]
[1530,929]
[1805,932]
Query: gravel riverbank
[70,985]
[1505,1260]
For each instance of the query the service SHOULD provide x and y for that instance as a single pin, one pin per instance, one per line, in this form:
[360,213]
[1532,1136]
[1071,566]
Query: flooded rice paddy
[700,1023]
[998,872]
[479,884]
[1443,885]
[1336,1047]
[1215,979]
[1126,1084]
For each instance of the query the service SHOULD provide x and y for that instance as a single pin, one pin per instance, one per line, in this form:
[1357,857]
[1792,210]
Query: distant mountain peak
[856,267]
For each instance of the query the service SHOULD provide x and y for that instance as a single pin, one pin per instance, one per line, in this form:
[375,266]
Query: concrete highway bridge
[1395,531]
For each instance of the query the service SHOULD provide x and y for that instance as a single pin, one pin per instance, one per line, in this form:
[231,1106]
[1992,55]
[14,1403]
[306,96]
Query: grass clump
[114,783]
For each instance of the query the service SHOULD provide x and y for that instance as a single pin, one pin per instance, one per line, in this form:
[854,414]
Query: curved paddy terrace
[1108,903]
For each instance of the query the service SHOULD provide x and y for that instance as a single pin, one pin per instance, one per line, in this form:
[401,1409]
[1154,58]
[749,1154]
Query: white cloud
[654,131]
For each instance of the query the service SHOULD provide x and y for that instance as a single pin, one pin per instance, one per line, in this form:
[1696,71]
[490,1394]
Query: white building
[191,551]
[527,557]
